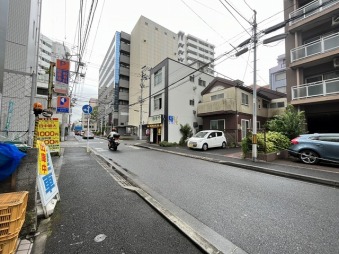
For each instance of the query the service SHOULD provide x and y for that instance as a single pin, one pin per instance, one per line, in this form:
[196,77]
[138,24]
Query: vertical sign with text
[62,76]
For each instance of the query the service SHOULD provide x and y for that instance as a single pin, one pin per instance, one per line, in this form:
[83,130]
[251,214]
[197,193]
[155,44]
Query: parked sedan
[88,135]
[312,148]
[207,139]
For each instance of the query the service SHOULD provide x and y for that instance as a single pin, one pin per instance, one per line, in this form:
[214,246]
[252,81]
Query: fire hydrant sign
[47,131]
[47,183]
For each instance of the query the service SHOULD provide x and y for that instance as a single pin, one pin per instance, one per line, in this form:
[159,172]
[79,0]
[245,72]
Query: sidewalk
[97,215]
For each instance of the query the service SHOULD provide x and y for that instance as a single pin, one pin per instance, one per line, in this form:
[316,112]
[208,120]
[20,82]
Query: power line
[202,19]
[235,17]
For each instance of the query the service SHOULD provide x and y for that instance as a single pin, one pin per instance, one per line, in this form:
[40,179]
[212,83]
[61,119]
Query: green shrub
[186,132]
[275,141]
[167,144]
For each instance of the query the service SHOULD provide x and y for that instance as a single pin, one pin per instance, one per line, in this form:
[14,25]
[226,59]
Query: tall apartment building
[192,49]
[21,37]
[312,60]
[114,77]
[150,44]
[49,51]
[278,75]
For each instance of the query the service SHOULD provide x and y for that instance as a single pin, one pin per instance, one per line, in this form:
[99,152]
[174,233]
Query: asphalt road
[260,213]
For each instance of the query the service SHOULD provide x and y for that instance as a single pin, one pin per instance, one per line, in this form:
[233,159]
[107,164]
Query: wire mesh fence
[15,105]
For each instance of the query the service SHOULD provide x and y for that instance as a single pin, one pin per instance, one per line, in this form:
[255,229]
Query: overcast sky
[208,20]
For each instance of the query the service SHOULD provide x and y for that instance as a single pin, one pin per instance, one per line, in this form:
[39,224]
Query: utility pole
[142,86]
[50,85]
[254,121]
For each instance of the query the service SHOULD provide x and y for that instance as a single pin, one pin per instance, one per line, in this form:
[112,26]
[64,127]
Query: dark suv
[311,148]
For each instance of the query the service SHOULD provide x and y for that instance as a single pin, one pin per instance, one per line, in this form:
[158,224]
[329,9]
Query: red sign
[62,65]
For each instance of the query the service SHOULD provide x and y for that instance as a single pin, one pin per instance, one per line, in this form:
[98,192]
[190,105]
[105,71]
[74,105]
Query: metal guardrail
[320,46]
[310,9]
[322,88]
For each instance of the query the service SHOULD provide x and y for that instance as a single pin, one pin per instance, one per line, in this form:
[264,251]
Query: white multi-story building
[20,62]
[192,49]
[278,75]
[49,51]
[175,91]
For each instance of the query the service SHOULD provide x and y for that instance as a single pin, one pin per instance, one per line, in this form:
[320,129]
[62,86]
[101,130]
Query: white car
[207,139]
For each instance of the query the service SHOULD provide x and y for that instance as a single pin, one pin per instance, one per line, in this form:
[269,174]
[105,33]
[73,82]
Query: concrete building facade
[114,78]
[192,49]
[175,91]
[278,75]
[20,62]
[312,61]
[151,43]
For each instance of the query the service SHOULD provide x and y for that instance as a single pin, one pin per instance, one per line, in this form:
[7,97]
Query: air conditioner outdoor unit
[335,21]
[336,62]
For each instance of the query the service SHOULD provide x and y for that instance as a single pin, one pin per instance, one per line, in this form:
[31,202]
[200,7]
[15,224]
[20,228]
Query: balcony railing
[321,88]
[310,9]
[320,46]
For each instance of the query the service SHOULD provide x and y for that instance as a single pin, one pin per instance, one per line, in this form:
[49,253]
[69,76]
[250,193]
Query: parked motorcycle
[114,142]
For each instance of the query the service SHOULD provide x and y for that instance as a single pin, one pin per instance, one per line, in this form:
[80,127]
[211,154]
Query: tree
[186,132]
[95,114]
[292,123]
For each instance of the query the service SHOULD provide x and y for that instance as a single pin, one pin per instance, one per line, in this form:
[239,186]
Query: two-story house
[312,60]
[228,106]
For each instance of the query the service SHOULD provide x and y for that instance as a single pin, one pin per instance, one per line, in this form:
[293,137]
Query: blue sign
[63,104]
[87,109]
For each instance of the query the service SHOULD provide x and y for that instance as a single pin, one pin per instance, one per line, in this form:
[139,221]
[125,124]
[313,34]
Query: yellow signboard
[47,130]
[42,158]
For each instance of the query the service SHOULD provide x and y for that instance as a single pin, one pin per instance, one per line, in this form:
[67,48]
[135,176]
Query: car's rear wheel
[204,147]
[309,157]
[223,145]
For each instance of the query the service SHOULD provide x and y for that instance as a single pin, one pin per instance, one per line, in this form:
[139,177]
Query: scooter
[114,142]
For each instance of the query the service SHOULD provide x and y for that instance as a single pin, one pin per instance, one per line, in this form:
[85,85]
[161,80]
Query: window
[158,77]
[192,78]
[264,104]
[146,23]
[157,102]
[217,97]
[192,102]
[244,99]
[202,82]
[280,76]
[217,124]
[277,104]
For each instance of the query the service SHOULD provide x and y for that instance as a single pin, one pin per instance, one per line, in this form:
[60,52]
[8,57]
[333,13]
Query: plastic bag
[10,157]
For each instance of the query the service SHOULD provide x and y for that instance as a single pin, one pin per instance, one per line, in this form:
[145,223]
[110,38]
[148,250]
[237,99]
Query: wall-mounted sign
[63,104]
[157,119]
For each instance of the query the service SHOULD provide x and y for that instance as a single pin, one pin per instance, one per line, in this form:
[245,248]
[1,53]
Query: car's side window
[219,134]
[212,135]
[329,139]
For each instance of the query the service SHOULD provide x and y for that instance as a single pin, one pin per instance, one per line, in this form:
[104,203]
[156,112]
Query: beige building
[312,61]
[151,43]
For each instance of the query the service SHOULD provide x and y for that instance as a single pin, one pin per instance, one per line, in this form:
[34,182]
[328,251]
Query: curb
[222,245]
